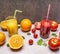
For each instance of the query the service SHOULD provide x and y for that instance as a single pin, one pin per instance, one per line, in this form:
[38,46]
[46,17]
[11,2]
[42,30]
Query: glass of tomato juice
[45,28]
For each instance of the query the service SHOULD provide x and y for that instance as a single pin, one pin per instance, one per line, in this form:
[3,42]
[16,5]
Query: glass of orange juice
[12,25]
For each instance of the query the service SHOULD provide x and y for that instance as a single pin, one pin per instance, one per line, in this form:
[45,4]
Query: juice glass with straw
[12,25]
[45,26]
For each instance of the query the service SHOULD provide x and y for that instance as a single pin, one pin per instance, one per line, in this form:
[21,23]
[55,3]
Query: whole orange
[26,24]
[2,38]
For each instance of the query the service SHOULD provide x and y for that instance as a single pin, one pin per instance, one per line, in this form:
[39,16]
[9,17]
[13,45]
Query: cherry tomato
[35,35]
[54,43]
[54,26]
[30,42]
[37,25]
[33,30]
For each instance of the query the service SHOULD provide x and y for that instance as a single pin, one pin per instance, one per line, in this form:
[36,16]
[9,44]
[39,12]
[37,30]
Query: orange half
[16,41]
[3,25]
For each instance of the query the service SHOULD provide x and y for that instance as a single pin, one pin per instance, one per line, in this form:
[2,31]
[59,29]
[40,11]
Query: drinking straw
[48,12]
[16,12]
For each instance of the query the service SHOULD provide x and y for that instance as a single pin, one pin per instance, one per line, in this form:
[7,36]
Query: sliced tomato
[54,26]
[54,43]
[37,25]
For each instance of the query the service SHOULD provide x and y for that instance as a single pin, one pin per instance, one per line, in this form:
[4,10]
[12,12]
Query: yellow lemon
[2,38]
[26,24]
[16,41]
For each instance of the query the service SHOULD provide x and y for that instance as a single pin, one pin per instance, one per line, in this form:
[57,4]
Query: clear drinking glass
[12,25]
[45,28]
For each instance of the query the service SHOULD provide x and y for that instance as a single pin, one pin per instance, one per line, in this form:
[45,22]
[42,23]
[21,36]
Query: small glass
[12,25]
[45,28]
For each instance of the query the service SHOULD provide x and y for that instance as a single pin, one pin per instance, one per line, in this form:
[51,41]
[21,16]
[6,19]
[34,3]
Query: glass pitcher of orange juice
[12,25]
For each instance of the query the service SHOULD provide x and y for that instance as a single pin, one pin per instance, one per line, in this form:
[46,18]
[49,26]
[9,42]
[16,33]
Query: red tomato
[33,30]
[35,35]
[30,42]
[54,43]
[54,26]
[37,25]
[59,36]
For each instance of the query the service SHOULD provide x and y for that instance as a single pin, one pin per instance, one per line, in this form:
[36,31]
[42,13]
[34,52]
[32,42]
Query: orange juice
[12,26]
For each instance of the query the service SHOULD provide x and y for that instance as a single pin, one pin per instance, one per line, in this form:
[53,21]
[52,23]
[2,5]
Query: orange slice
[3,25]
[16,41]
[2,38]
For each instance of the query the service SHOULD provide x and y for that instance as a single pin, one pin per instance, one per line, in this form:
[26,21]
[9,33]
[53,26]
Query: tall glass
[12,25]
[45,28]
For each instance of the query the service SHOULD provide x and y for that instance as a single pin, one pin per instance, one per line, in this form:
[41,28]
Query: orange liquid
[12,26]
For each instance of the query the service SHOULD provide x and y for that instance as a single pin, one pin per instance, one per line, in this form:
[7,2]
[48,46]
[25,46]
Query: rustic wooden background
[32,9]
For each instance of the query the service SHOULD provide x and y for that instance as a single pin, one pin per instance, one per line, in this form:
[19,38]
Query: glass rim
[10,17]
[50,18]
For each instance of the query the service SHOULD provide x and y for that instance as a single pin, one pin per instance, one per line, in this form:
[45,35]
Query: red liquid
[45,28]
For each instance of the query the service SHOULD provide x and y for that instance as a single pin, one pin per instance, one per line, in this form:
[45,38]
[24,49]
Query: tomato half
[37,25]
[54,26]
[54,43]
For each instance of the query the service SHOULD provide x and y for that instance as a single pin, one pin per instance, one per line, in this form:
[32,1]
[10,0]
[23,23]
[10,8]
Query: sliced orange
[2,38]
[3,25]
[16,41]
